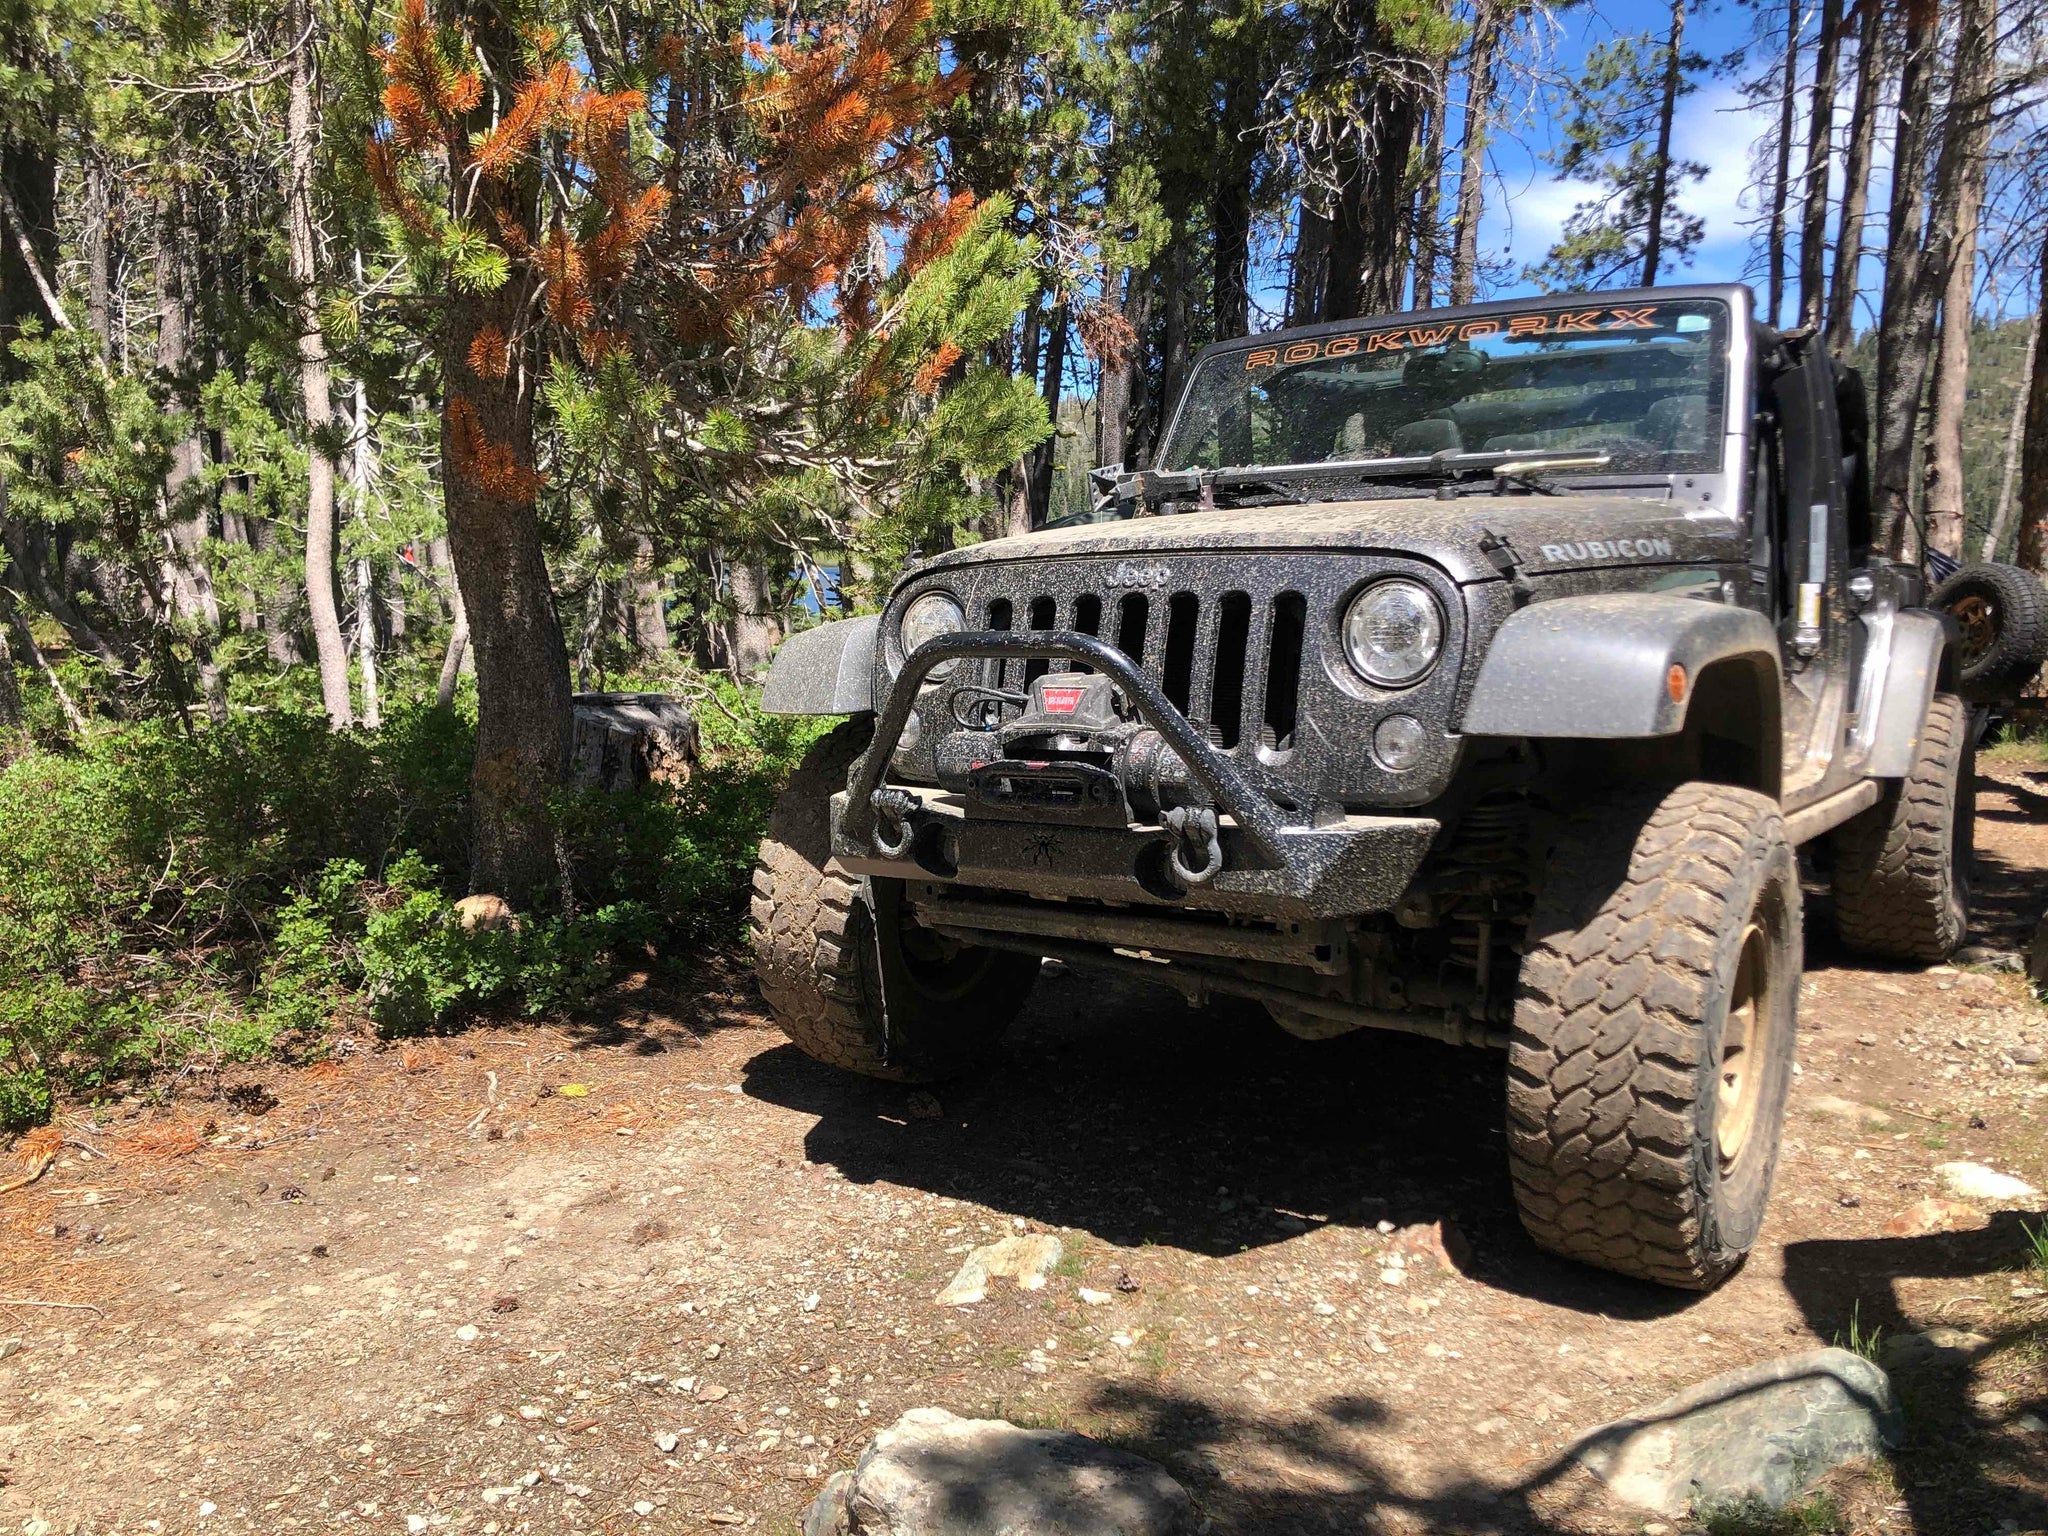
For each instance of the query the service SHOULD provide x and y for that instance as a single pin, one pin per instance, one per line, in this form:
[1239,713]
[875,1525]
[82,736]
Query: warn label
[1607,549]
[1061,701]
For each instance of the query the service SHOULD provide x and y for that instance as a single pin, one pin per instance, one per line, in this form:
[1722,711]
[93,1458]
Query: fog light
[1397,742]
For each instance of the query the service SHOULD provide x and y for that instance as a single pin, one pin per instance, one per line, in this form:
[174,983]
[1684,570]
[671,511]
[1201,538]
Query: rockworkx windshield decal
[1535,325]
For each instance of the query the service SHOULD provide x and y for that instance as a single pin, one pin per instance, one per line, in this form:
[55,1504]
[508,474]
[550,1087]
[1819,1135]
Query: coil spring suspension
[1485,873]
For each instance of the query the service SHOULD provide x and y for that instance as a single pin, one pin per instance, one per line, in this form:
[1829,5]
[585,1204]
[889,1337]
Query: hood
[1547,533]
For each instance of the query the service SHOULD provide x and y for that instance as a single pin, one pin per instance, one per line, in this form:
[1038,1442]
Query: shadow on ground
[1119,1111]
[1956,1471]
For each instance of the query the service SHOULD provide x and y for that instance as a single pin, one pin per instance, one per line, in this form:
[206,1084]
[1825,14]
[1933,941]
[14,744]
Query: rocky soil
[662,1273]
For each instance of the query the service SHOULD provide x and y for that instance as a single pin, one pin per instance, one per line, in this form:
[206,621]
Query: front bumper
[1278,860]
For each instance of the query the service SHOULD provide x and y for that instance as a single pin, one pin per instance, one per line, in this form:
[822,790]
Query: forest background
[658,331]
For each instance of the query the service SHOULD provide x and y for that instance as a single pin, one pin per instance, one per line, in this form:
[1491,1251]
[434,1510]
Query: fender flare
[829,670]
[1598,667]
[1914,663]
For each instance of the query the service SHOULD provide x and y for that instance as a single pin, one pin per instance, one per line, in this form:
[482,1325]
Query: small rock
[1936,1348]
[1973,1181]
[1869,1117]
[504,1303]
[2030,1423]
[1985,955]
[1093,1298]
[642,1508]
[933,1474]
[1866,1039]
[665,1441]
[1931,1216]
[2027,1055]
[924,1106]
[415,1524]
[484,913]
[1435,1242]
[467,1333]
[1765,1432]
[529,1412]
[10,1347]
[1027,1260]
[712,1394]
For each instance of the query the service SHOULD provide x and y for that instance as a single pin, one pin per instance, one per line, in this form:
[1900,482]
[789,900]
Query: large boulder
[621,741]
[934,1474]
[1762,1434]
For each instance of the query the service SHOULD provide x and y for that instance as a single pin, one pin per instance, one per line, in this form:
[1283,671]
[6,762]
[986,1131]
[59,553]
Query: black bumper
[1275,860]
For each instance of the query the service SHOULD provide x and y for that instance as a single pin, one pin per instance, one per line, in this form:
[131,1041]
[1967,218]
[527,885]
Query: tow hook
[893,831]
[1197,854]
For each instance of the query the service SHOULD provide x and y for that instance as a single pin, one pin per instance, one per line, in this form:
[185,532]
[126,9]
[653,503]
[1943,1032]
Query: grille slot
[1283,669]
[1183,610]
[1226,688]
[1131,617]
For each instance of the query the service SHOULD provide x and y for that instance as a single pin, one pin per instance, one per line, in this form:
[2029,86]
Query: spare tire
[2003,612]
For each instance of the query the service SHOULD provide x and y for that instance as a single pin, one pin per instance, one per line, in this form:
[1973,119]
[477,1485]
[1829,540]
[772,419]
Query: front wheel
[851,976]
[1654,1033]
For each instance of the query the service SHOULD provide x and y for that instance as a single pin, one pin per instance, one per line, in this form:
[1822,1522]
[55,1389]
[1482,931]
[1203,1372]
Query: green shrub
[168,895]
[25,1098]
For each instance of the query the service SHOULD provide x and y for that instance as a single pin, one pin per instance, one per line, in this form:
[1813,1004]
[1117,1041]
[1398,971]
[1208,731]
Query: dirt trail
[439,1288]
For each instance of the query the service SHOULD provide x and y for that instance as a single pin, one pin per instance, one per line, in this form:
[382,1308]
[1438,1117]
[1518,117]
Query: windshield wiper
[1148,487]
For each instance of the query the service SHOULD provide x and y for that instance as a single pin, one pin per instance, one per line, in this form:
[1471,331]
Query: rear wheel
[1902,868]
[1654,1033]
[850,975]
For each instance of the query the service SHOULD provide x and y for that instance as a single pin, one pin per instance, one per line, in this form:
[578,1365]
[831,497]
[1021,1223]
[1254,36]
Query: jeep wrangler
[1477,673]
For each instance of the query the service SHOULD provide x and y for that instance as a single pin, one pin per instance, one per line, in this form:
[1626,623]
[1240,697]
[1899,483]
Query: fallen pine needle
[67,1306]
[36,1170]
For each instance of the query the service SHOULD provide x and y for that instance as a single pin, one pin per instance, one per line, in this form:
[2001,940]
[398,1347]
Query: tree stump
[623,741]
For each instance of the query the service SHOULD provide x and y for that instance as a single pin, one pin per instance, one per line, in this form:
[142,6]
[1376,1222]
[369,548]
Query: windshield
[1644,384]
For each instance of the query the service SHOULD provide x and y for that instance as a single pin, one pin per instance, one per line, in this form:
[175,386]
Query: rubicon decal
[1543,323]
[1608,549]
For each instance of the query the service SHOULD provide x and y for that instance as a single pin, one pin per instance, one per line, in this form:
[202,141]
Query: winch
[1077,746]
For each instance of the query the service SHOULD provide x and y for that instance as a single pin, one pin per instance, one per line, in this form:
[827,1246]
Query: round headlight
[1394,632]
[928,617]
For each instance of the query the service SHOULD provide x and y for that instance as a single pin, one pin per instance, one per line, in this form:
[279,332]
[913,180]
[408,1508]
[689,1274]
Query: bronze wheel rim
[1744,1049]
[1980,625]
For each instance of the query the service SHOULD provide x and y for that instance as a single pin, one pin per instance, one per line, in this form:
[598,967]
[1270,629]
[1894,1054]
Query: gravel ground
[662,1273]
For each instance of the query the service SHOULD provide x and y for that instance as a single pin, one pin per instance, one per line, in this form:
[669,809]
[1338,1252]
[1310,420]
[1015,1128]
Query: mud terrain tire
[1654,1033]
[1902,868]
[830,947]
[2003,611]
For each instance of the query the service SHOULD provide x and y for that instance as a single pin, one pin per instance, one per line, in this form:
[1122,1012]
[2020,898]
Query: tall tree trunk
[28,254]
[366,576]
[1660,170]
[1846,279]
[187,586]
[1133,290]
[650,623]
[2015,437]
[1045,457]
[1943,453]
[2033,543]
[522,668]
[1480,59]
[1174,351]
[756,627]
[457,658]
[1820,142]
[1308,264]
[1781,177]
[1918,274]
[10,694]
[302,133]
[98,247]
[1230,208]
[1429,192]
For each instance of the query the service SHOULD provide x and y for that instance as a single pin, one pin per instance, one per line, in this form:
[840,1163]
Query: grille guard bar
[1256,815]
